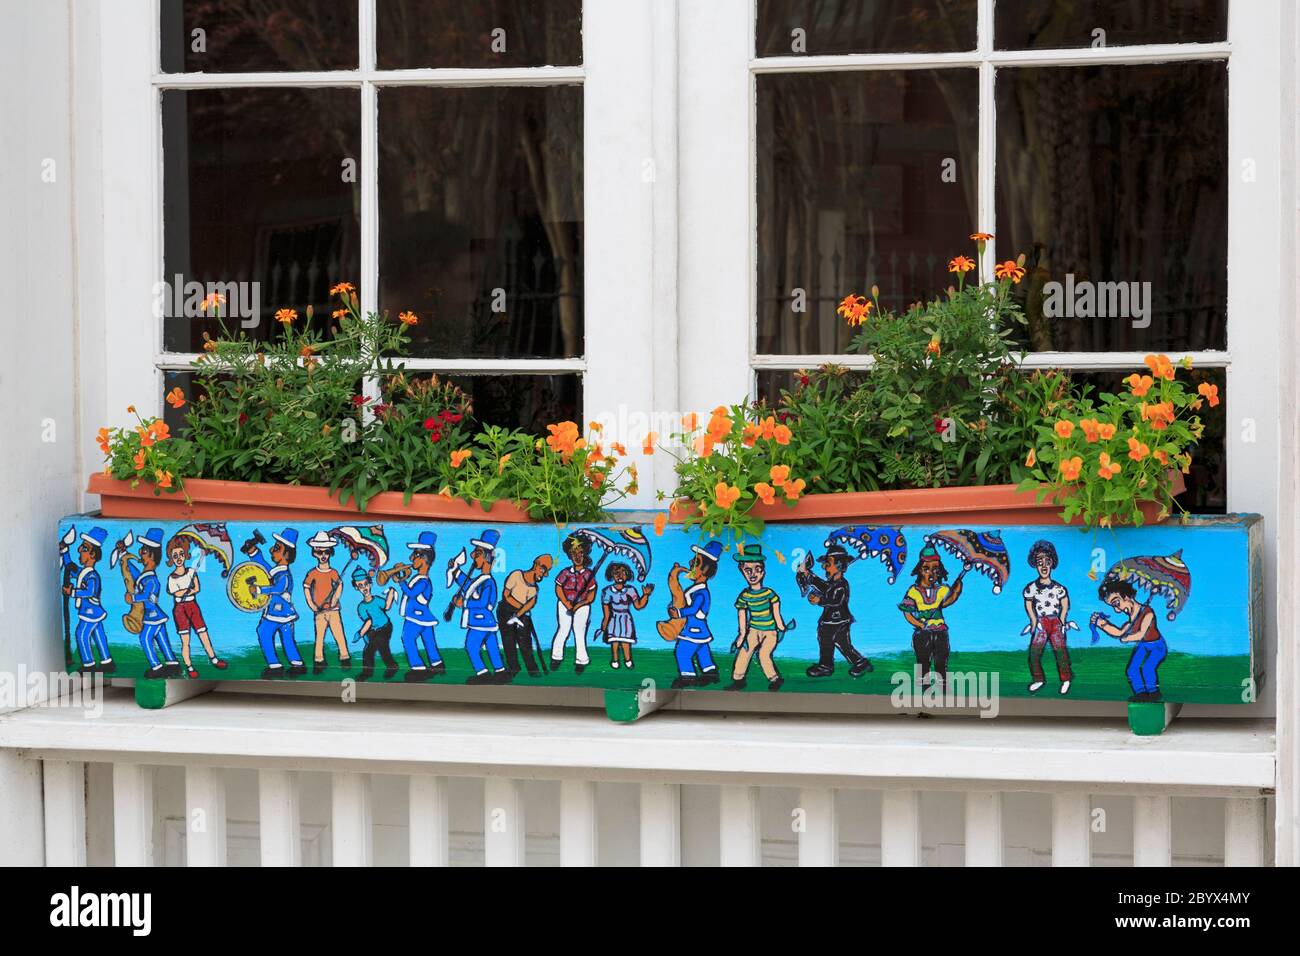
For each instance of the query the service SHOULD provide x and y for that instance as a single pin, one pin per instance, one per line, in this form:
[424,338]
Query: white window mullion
[369,278]
[988,142]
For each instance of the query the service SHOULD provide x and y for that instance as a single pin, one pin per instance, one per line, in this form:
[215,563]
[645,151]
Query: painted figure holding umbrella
[923,606]
[1160,576]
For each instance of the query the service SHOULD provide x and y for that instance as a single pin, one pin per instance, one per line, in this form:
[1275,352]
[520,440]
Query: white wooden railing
[230,777]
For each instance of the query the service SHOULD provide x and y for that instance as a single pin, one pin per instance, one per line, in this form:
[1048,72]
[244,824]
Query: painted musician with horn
[87,592]
[418,617]
[139,574]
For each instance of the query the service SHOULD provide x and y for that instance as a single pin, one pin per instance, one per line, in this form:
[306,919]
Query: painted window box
[929,615]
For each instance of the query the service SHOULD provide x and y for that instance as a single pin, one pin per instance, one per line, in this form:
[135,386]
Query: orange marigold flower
[961,264]
[725,495]
[661,520]
[648,446]
[285,316]
[1064,428]
[793,489]
[855,309]
[1009,270]
[458,457]
[339,313]
[779,474]
[212,300]
[1137,450]
[339,288]
[1108,468]
[1211,393]
[596,427]
[766,493]
[933,347]
[1140,384]
[163,479]
[209,346]
[408,318]
[176,398]
[596,477]
[982,236]
[1071,467]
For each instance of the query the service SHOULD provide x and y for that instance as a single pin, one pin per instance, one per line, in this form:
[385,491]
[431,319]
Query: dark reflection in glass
[254,36]
[260,186]
[863,178]
[530,402]
[487,33]
[1207,482]
[1116,174]
[1054,24]
[480,218]
[177,419]
[792,27]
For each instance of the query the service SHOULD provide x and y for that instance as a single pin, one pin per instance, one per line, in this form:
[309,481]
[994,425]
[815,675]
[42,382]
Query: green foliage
[147,452]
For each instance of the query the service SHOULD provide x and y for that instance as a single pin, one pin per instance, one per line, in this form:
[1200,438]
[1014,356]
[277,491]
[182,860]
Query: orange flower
[408,318]
[102,438]
[855,309]
[563,439]
[703,446]
[793,489]
[1108,468]
[961,264]
[306,351]
[212,300]
[648,446]
[1009,270]
[163,479]
[779,474]
[160,430]
[1032,459]
[750,434]
[982,236]
[725,495]
[690,421]
[767,427]
[138,461]
[661,520]
[146,437]
[1211,393]
[1161,456]
[1106,431]
[1064,428]
[341,287]
[285,316]
[458,457]
[1136,450]
[782,434]
[597,478]
[501,464]
[933,347]
[1160,415]
[619,449]
[1140,384]
[1071,467]
[339,313]
[766,493]
[176,398]
[130,409]
[1160,366]
[719,425]
[596,427]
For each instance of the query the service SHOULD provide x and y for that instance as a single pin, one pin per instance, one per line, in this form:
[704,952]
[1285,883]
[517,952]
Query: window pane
[497,33]
[530,402]
[237,36]
[480,218]
[791,27]
[1116,174]
[1048,24]
[260,190]
[863,178]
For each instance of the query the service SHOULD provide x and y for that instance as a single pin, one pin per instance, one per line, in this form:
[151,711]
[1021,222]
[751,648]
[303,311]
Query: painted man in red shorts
[183,586]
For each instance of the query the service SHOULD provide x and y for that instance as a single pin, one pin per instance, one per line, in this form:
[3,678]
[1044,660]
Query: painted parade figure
[145,591]
[86,590]
[1047,604]
[279,613]
[183,586]
[376,626]
[831,594]
[692,647]
[322,587]
[515,615]
[759,624]
[617,601]
[476,596]
[418,618]
[575,592]
[1139,628]
[923,606]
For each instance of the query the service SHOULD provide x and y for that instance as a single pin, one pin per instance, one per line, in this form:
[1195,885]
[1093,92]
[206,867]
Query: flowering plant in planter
[1112,454]
[146,452]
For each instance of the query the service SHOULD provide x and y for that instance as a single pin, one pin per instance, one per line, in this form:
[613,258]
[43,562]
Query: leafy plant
[147,452]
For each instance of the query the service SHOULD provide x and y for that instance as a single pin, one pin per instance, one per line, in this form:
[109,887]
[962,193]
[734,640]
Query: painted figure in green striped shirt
[758,620]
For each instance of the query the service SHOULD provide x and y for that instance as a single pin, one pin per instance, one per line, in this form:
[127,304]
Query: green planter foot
[625,706]
[1150,720]
[157,694]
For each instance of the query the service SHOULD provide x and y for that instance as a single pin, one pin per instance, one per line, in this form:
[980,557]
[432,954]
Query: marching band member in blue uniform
[279,614]
[693,643]
[87,591]
[153,634]
[417,613]
[476,596]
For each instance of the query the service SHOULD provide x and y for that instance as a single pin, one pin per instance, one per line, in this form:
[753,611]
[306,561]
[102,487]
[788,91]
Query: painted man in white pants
[575,590]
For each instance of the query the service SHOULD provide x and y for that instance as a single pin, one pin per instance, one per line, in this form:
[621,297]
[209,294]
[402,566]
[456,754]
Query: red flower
[451,417]
[940,425]
[359,400]
[432,424]
[242,418]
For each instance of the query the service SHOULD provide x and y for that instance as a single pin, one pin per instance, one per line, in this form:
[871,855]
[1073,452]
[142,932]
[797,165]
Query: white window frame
[718,274]
[618,360]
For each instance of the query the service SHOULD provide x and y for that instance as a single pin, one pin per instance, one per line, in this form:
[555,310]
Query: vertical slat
[428,826]
[900,828]
[1152,831]
[504,826]
[577,823]
[1071,829]
[65,812]
[661,824]
[350,820]
[132,814]
[205,817]
[819,833]
[740,837]
[984,829]
[1243,832]
[281,838]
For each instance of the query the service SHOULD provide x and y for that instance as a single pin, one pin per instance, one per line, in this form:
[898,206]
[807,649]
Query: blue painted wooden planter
[929,616]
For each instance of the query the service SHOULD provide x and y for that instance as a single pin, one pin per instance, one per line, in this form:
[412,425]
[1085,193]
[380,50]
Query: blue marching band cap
[289,536]
[360,574]
[489,540]
[153,537]
[95,536]
[425,542]
[712,550]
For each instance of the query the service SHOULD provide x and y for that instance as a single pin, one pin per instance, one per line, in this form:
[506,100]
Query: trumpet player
[418,617]
[279,614]
[376,627]
[154,641]
[86,590]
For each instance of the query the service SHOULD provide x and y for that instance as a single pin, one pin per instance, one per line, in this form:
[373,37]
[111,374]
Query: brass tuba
[672,628]
[133,619]
[244,586]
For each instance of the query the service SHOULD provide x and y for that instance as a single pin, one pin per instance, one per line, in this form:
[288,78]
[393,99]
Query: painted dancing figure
[1047,604]
[831,594]
[183,585]
[376,626]
[923,606]
[1140,629]
[476,596]
[758,621]
[515,615]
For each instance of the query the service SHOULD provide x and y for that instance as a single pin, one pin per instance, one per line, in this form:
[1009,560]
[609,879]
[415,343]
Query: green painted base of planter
[151,694]
[625,706]
[1150,720]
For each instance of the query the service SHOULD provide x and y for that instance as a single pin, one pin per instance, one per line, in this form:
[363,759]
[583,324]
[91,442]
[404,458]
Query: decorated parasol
[884,543]
[629,543]
[981,551]
[368,541]
[1167,577]
[213,540]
